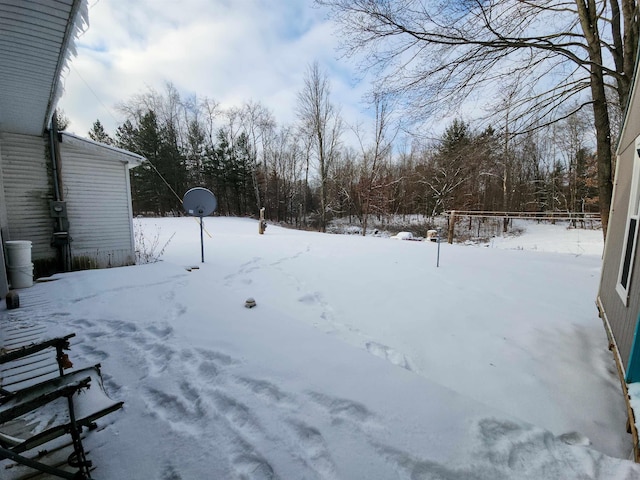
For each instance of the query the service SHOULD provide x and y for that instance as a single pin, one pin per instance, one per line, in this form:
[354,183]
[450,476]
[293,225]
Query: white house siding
[96,189]
[27,191]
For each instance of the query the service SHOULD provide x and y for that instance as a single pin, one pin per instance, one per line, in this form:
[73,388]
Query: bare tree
[373,156]
[257,121]
[322,123]
[283,168]
[571,138]
[442,53]
[210,112]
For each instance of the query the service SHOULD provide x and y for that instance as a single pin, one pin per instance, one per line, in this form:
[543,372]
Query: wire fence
[463,225]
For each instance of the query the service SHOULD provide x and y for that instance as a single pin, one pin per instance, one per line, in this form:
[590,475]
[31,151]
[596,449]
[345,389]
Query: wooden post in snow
[452,223]
[262,224]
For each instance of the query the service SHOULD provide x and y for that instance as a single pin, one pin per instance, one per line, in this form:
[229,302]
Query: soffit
[35,38]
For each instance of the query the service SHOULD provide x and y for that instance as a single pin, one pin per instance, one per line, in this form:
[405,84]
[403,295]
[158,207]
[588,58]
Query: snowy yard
[361,360]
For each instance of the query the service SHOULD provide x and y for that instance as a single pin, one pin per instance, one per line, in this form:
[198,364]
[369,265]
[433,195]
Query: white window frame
[628,255]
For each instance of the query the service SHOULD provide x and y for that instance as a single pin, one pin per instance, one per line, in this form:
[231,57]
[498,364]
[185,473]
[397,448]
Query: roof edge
[77,23]
[630,100]
[133,159]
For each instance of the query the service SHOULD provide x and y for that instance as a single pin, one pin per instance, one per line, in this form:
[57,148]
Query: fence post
[452,223]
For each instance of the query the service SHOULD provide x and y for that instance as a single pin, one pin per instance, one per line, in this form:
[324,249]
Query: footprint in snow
[264,389]
[121,328]
[236,412]
[342,409]
[96,334]
[206,365]
[252,467]
[81,322]
[315,449]
[216,357]
[389,354]
[575,438]
[169,472]
[160,332]
[159,357]
[172,408]
[93,353]
[310,298]
[208,370]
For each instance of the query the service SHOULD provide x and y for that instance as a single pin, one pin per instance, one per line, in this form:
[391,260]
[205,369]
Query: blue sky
[231,51]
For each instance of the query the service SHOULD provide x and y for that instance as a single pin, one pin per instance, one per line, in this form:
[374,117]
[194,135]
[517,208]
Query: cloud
[232,51]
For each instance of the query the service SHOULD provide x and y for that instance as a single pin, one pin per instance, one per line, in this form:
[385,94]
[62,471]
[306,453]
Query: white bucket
[18,253]
[21,277]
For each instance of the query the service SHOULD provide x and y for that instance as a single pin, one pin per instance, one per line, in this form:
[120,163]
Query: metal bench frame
[16,403]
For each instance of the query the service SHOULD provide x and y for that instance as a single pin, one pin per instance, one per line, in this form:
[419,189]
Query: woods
[546,55]
[550,79]
[304,174]
[502,105]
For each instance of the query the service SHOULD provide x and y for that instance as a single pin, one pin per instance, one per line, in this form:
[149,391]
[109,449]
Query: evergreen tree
[98,134]
[159,181]
[195,153]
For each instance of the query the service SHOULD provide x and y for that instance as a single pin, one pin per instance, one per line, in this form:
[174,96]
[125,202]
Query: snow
[403,236]
[552,238]
[361,359]
[634,400]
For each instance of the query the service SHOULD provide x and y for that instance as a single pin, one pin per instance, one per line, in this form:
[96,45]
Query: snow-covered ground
[551,238]
[360,360]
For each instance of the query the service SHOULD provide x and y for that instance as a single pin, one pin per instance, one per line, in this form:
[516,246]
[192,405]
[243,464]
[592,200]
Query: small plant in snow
[148,247]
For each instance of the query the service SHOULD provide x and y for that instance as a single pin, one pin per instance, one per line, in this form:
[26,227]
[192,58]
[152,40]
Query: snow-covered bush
[403,236]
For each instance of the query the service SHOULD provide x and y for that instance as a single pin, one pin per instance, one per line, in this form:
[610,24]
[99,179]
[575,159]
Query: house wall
[4,284]
[621,318]
[96,189]
[27,192]
[3,205]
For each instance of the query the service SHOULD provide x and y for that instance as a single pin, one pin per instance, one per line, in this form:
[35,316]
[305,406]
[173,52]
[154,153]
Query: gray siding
[27,191]
[3,206]
[98,205]
[621,318]
[631,129]
[4,284]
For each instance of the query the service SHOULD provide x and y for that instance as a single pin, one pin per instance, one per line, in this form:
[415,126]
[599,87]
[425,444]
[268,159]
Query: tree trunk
[603,152]
[589,21]
[323,192]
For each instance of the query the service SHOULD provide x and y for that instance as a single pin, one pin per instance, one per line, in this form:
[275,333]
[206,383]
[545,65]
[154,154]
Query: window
[631,233]
[628,252]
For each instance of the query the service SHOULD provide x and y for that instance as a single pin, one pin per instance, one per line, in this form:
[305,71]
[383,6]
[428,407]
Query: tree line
[305,174]
[526,59]
[553,77]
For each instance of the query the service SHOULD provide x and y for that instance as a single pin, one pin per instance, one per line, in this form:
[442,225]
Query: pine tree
[98,134]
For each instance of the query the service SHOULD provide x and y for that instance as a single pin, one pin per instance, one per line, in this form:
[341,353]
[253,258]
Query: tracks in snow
[323,316]
[263,430]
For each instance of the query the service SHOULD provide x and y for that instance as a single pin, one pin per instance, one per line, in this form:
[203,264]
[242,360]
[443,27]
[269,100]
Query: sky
[361,358]
[229,51]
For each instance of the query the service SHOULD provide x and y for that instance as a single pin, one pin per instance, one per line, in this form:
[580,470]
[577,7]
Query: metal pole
[201,241]
[438,258]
